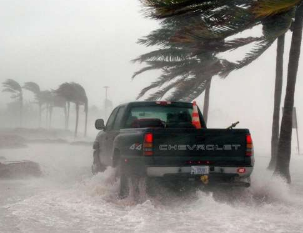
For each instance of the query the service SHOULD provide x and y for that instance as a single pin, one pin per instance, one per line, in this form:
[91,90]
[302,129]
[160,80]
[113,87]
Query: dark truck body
[176,150]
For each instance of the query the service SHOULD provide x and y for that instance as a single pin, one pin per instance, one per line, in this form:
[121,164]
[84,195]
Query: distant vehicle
[158,139]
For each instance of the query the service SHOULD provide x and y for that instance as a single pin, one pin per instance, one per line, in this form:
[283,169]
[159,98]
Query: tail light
[148,144]
[249,146]
[241,170]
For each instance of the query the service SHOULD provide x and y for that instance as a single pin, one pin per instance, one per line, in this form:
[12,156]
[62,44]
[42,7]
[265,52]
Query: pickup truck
[157,139]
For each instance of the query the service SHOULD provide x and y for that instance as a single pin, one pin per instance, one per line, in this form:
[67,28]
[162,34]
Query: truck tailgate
[211,146]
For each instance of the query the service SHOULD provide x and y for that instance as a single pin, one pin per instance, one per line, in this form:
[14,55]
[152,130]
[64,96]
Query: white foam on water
[69,199]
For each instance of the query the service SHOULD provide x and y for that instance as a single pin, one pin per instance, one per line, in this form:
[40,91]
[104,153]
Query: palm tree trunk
[21,108]
[86,115]
[50,116]
[277,102]
[284,146]
[77,119]
[206,102]
[40,114]
[46,114]
[67,118]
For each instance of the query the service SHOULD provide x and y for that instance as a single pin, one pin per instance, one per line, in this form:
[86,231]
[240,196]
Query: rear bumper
[184,171]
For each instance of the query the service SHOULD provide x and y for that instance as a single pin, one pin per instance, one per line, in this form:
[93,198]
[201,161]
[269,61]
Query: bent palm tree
[190,57]
[15,89]
[255,12]
[35,89]
[75,93]
[66,91]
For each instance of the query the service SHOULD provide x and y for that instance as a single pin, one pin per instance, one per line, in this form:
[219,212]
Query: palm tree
[284,146]
[75,93]
[189,58]
[66,91]
[35,89]
[255,12]
[15,89]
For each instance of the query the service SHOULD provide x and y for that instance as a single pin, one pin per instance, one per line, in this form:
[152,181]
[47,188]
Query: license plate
[199,170]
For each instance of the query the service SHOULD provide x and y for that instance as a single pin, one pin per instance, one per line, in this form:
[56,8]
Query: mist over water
[67,198]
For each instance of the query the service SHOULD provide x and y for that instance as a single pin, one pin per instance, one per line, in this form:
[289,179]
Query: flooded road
[67,198]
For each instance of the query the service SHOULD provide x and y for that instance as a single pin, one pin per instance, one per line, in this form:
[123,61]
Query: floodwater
[67,198]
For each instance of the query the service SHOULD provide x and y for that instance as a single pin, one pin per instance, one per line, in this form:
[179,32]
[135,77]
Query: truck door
[111,132]
[103,141]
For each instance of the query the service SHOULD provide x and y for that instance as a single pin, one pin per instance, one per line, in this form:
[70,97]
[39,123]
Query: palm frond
[12,84]
[160,93]
[32,86]
[168,54]
[146,89]
[158,37]
[144,69]
[265,8]
[13,87]
[10,90]
[66,91]
[79,94]
[189,89]
[220,25]
[167,8]
[192,39]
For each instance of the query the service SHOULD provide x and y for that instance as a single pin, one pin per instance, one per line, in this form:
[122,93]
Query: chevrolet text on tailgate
[170,141]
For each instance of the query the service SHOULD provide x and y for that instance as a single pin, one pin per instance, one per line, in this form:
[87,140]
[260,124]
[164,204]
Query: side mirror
[99,124]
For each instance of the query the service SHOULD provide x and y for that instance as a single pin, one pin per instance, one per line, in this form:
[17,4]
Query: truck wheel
[124,181]
[97,165]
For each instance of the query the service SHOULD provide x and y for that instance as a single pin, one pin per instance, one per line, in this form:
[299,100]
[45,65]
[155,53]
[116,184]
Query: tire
[124,186]
[97,165]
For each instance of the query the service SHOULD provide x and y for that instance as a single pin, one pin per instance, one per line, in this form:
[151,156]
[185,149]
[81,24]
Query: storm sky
[93,42]
[90,42]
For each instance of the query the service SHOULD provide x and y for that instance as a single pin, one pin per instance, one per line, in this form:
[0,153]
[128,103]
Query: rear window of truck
[168,115]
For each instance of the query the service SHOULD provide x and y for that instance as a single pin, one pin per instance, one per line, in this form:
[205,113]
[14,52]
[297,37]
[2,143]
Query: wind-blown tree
[48,98]
[35,89]
[191,45]
[261,10]
[66,91]
[284,146]
[75,93]
[15,89]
